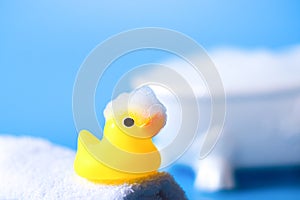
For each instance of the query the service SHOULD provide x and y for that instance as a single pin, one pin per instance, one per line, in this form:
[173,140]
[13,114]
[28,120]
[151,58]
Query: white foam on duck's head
[118,105]
[142,101]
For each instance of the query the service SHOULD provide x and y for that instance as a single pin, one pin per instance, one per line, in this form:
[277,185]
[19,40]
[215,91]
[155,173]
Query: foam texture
[32,168]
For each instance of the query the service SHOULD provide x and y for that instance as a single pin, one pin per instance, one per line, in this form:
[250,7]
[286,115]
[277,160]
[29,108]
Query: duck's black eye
[128,122]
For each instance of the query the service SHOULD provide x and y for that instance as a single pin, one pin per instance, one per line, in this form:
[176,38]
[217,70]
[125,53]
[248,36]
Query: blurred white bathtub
[262,125]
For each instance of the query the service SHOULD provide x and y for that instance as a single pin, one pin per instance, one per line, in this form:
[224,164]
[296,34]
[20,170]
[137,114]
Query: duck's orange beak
[150,120]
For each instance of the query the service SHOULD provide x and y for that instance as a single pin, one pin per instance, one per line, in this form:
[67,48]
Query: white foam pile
[33,168]
[142,100]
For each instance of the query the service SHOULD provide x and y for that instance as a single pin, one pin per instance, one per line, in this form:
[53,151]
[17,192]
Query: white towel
[33,168]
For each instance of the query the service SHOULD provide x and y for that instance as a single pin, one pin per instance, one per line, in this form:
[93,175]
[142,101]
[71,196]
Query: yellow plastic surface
[118,157]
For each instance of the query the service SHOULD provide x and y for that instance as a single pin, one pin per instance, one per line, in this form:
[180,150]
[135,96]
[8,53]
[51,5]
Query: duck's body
[124,154]
[91,167]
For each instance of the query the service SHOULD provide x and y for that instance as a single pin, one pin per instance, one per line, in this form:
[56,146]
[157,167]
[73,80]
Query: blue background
[43,43]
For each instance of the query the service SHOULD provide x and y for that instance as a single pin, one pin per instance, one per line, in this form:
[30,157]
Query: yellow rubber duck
[126,151]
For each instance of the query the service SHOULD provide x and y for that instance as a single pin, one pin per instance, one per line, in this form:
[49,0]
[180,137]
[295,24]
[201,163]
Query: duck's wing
[110,155]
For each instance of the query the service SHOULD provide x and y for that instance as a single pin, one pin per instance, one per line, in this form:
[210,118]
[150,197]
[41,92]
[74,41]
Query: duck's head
[139,113]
